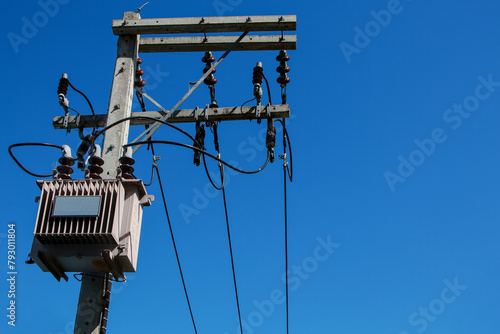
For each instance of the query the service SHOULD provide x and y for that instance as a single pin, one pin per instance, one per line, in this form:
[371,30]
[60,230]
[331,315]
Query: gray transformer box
[89,226]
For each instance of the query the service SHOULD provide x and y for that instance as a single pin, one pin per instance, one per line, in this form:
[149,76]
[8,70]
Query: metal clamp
[196,113]
[257,110]
[206,111]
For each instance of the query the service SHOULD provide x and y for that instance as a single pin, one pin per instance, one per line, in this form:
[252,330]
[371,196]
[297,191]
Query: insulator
[199,143]
[66,161]
[127,157]
[95,163]
[283,56]
[64,172]
[126,162]
[63,85]
[257,74]
[283,68]
[210,80]
[139,81]
[127,171]
[208,58]
[283,81]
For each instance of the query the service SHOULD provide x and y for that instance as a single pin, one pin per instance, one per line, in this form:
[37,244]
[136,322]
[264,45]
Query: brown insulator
[64,172]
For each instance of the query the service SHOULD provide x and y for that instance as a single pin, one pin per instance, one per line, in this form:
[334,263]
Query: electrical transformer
[89,226]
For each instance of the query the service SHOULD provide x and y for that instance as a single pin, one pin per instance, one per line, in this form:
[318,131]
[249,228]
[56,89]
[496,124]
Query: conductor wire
[173,241]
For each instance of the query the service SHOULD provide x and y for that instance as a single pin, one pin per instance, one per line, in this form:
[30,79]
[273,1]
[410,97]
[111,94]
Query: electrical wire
[223,178]
[286,244]
[202,152]
[232,259]
[241,108]
[286,172]
[268,89]
[31,144]
[88,101]
[289,166]
[100,132]
[173,242]
[221,167]
[152,175]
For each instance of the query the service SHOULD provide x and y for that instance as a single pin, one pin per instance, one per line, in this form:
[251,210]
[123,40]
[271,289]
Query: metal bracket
[117,273]
[52,265]
[205,111]
[268,107]
[257,110]
[196,113]
[66,118]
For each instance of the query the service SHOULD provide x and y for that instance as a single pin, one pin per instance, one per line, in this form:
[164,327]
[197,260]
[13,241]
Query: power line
[232,259]
[173,242]
[216,142]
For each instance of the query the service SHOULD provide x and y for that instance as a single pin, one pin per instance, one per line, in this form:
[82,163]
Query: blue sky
[393,211]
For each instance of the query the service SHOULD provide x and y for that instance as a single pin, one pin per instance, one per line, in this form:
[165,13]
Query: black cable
[286,172]
[232,259]
[241,108]
[286,243]
[221,167]
[175,248]
[30,144]
[100,132]
[223,178]
[268,89]
[152,175]
[202,152]
[285,135]
[88,101]
[213,129]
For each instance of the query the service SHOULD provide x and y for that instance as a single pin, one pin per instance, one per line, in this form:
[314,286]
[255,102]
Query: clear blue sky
[396,149]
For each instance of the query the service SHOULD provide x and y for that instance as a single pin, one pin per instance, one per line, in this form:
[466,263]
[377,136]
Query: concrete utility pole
[93,304]
[95,290]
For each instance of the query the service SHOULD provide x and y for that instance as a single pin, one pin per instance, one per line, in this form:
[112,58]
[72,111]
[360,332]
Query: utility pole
[95,292]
